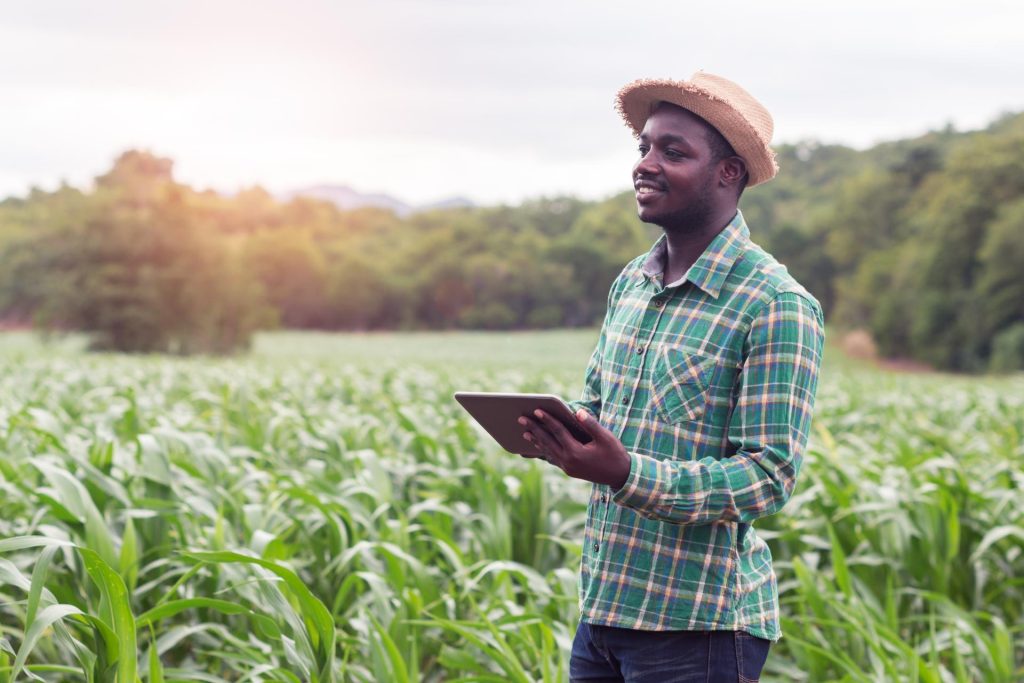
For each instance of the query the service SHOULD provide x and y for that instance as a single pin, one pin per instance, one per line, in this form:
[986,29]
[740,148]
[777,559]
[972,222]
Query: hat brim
[636,100]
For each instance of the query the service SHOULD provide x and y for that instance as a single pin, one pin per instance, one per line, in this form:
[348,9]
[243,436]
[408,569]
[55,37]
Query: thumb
[590,425]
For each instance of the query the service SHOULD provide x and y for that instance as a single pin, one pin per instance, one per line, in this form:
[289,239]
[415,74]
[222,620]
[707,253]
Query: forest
[918,241]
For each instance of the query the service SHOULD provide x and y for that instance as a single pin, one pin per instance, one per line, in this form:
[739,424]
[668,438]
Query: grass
[321,510]
[561,351]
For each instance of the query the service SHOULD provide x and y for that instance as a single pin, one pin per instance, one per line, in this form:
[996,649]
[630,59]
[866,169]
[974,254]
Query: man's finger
[532,456]
[541,438]
[590,425]
[556,429]
[547,453]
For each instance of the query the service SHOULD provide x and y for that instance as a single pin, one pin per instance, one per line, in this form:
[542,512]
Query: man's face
[675,174]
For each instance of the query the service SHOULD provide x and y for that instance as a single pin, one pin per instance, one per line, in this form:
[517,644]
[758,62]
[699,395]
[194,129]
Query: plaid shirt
[709,382]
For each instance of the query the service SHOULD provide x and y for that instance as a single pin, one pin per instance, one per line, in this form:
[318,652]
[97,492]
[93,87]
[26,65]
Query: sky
[492,101]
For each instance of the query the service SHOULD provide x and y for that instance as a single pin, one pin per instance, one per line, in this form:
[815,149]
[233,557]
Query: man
[698,397]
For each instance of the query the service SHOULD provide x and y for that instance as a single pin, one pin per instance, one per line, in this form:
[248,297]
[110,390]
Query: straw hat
[741,119]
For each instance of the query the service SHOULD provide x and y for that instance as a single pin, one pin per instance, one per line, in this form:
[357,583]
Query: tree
[921,241]
[141,274]
[293,273]
[1000,283]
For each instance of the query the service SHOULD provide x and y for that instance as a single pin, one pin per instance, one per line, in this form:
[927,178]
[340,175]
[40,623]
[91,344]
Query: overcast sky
[496,101]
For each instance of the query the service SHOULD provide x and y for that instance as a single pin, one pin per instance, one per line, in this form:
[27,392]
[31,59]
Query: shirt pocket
[680,382]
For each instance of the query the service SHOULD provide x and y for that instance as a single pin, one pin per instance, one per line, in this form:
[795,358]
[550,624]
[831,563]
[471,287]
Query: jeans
[602,654]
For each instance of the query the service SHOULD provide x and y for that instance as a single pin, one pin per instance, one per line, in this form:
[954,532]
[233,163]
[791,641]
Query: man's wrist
[620,471]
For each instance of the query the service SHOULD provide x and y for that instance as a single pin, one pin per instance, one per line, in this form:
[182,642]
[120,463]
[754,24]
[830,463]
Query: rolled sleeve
[645,487]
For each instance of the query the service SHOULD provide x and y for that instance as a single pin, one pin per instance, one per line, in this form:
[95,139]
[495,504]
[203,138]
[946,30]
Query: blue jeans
[602,654]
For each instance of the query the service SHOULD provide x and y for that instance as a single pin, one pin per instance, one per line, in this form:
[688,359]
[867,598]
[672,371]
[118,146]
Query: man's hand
[603,461]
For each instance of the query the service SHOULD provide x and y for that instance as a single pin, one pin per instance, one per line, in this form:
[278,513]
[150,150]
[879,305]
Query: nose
[645,165]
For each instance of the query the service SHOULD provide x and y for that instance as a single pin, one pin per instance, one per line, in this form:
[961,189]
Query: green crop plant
[339,518]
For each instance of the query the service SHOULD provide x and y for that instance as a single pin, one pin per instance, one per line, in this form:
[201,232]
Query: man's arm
[769,428]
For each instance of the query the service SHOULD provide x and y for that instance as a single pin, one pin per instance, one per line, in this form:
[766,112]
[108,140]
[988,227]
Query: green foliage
[293,273]
[323,510]
[1000,285]
[918,241]
[1008,350]
[137,272]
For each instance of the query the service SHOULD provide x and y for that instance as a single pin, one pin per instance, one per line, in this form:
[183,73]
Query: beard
[694,217]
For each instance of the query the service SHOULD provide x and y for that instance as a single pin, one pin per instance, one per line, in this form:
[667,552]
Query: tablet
[499,414]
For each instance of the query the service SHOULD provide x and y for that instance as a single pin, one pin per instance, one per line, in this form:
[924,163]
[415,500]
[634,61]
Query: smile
[645,186]
[647,191]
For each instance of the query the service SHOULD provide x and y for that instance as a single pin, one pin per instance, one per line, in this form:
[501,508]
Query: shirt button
[625,400]
[659,302]
[596,547]
[639,350]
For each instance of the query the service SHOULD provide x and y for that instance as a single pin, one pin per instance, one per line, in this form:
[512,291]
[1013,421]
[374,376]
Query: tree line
[920,241]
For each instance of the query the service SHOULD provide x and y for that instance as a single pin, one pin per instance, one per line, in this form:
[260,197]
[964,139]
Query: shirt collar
[709,271]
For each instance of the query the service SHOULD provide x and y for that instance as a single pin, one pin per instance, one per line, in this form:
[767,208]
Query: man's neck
[684,247]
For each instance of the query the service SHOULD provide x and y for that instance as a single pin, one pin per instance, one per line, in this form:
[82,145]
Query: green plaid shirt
[709,382]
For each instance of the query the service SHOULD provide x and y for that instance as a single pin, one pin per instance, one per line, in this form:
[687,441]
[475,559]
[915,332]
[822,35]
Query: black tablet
[499,414]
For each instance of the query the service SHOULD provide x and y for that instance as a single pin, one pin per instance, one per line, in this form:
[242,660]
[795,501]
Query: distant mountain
[450,203]
[345,198]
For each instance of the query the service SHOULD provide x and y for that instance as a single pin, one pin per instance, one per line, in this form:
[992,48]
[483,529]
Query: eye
[674,153]
[643,149]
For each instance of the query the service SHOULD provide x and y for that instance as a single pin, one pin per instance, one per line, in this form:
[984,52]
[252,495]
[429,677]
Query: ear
[733,170]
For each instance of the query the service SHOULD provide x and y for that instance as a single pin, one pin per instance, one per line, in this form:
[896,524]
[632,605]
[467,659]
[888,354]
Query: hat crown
[740,99]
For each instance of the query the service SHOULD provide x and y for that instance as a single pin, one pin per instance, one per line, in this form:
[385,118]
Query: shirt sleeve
[768,428]
[590,399]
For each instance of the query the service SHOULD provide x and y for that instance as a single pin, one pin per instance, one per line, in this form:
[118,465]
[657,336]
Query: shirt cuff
[641,490]
[577,404]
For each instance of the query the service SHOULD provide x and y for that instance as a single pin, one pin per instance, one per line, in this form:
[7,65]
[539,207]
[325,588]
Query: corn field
[335,516]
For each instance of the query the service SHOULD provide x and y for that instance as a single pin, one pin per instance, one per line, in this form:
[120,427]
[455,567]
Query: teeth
[645,190]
